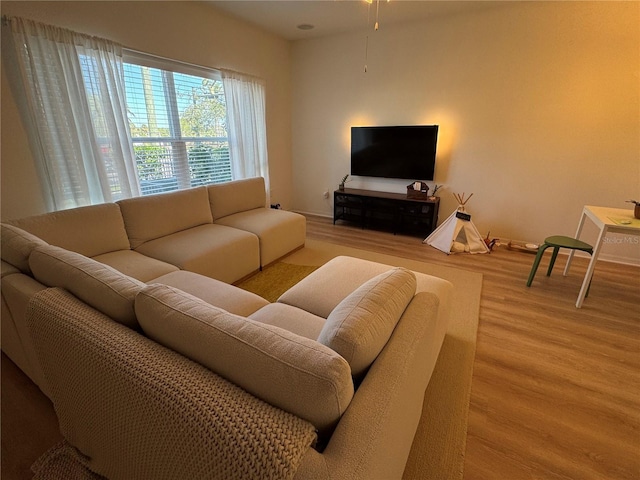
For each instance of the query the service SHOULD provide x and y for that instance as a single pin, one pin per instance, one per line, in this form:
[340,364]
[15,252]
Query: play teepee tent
[457,233]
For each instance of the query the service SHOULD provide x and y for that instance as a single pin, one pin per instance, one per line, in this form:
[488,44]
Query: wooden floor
[555,390]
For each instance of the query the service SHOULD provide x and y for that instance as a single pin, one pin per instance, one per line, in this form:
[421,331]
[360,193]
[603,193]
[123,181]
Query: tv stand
[386,211]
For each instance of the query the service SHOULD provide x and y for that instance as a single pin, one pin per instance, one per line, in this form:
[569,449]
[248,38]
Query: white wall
[538,107]
[188,31]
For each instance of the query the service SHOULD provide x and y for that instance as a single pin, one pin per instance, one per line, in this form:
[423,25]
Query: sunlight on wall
[447,132]
[355,121]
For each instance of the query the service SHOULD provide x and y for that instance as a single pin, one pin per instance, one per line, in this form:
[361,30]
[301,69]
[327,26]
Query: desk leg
[578,232]
[592,265]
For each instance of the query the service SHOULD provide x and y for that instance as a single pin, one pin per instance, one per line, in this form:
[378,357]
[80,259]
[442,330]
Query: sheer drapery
[77,114]
[247,129]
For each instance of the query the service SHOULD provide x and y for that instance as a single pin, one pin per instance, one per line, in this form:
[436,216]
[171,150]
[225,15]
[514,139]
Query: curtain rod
[160,57]
[191,65]
[188,64]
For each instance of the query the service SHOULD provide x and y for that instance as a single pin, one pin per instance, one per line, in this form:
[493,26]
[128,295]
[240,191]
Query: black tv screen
[407,152]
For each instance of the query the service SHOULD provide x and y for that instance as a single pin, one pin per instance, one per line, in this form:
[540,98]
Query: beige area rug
[439,445]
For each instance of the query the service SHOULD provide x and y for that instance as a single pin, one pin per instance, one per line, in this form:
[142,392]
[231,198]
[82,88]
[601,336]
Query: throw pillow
[360,326]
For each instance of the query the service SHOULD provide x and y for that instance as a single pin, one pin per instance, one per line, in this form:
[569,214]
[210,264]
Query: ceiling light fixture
[375,27]
[305,26]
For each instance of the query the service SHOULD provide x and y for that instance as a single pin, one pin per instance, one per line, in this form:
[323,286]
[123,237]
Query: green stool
[557,242]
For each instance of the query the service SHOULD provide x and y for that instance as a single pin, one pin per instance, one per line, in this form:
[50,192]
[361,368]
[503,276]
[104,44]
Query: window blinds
[178,124]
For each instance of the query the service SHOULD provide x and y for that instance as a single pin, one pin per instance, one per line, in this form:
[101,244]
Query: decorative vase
[341,187]
[636,211]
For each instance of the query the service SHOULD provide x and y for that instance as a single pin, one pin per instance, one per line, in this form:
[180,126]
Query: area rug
[439,444]
[276,279]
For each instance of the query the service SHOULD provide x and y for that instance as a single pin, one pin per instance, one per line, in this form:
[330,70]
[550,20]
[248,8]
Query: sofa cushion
[136,265]
[216,251]
[237,196]
[360,326]
[279,231]
[17,245]
[8,269]
[290,318]
[100,286]
[291,372]
[154,216]
[222,295]
[90,230]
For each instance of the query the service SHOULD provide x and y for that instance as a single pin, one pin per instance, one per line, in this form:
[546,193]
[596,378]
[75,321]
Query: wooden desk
[607,220]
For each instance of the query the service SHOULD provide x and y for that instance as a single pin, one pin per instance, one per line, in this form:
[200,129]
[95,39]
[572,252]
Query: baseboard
[323,215]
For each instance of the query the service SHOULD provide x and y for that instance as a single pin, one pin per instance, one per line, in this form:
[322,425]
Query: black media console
[386,211]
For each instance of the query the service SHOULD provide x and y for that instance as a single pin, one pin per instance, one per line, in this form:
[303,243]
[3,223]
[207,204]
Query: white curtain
[77,114]
[246,127]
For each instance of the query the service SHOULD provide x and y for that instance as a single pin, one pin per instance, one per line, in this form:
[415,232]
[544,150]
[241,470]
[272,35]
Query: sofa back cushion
[154,216]
[90,231]
[237,196]
[288,371]
[17,245]
[98,285]
[360,326]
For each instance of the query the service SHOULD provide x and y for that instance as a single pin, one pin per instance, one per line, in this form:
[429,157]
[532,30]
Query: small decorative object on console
[636,210]
[344,179]
[436,187]
[418,190]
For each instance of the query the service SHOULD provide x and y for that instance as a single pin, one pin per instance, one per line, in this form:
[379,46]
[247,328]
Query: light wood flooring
[555,390]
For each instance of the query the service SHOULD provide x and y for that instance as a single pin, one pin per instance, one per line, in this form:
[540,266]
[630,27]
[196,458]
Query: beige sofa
[204,230]
[186,376]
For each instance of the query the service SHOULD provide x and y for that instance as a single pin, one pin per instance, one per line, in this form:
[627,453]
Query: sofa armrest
[17,344]
[374,436]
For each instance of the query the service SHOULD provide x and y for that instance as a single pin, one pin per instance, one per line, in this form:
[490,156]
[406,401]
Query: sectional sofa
[158,367]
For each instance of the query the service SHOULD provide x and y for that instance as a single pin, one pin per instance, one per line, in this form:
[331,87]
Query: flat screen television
[407,152]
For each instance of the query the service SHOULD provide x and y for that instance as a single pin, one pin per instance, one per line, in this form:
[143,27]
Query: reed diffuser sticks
[460,198]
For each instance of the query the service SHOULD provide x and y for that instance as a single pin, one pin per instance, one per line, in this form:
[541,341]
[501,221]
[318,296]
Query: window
[107,123]
[178,125]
